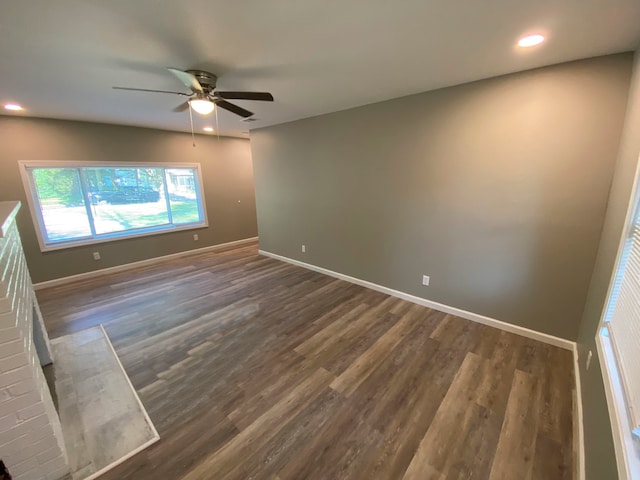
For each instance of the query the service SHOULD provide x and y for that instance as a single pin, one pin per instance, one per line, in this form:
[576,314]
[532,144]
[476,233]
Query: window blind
[623,321]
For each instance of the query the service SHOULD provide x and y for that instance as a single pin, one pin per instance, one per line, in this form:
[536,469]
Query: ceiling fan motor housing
[206,79]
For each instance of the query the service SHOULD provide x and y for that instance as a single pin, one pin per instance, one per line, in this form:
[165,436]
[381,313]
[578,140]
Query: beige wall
[598,443]
[496,189]
[227,176]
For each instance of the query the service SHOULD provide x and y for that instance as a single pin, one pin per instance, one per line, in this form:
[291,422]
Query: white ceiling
[60,58]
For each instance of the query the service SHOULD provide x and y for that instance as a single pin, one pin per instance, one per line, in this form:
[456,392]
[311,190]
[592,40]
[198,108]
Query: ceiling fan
[204,96]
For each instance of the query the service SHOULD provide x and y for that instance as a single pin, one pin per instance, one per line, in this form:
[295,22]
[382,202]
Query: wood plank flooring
[251,368]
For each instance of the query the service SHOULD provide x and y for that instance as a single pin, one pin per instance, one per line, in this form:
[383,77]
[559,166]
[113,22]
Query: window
[618,344]
[84,202]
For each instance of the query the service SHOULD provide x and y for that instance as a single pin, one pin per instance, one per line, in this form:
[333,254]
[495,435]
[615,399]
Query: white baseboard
[127,266]
[492,322]
[580,467]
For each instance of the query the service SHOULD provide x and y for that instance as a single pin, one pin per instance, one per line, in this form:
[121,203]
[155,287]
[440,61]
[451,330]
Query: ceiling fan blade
[152,91]
[261,96]
[232,108]
[189,80]
[182,107]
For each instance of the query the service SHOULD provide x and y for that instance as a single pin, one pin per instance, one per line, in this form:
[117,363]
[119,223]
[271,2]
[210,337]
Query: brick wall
[31,443]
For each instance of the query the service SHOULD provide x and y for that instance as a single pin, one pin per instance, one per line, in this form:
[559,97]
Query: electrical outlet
[304,249]
[195,237]
[425,280]
[589,356]
[96,255]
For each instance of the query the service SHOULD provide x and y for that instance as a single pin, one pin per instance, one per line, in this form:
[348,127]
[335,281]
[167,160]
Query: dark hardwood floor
[251,368]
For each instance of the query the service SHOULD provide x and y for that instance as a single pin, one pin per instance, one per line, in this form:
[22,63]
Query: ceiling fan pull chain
[193,135]
[217,127]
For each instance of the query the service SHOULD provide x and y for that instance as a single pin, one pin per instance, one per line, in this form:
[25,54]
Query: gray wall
[598,443]
[227,176]
[497,189]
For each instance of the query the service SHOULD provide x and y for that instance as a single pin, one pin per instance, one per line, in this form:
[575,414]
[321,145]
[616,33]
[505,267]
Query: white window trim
[30,191]
[627,455]
[626,448]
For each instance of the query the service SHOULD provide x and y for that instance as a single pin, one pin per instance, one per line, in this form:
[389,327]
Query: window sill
[127,235]
[627,453]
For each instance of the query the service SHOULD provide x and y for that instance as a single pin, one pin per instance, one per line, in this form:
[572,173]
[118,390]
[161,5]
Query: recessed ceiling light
[13,106]
[208,129]
[530,40]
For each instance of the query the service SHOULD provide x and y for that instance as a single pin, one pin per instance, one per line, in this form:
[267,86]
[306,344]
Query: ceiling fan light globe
[202,106]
